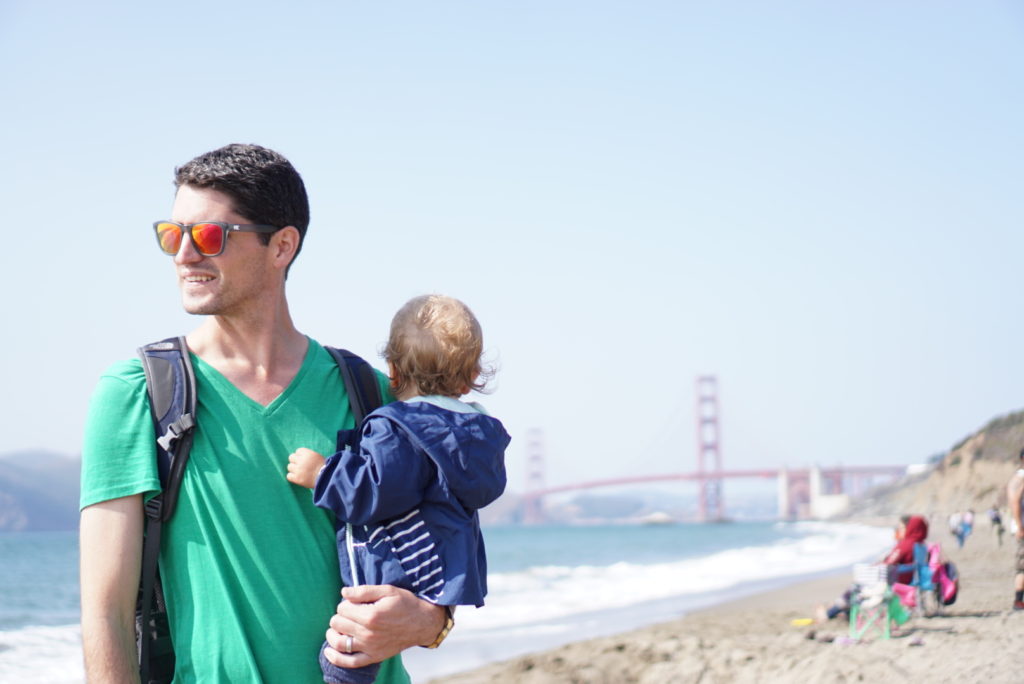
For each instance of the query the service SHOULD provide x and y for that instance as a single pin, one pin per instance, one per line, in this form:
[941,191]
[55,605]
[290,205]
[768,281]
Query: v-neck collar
[225,385]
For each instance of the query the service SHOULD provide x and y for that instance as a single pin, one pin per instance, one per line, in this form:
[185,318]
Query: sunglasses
[208,237]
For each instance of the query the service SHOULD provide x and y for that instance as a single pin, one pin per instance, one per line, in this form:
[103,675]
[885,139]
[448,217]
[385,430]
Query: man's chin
[195,308]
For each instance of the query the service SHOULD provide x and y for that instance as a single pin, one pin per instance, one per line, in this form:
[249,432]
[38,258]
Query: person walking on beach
[247,563]
[406,488]
[966,525]
[1015,494]
[956,527]
[996,520]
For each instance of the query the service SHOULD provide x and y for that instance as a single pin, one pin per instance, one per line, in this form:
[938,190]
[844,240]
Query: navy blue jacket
[411,493]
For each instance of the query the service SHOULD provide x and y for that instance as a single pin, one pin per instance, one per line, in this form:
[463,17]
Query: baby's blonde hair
[435,348]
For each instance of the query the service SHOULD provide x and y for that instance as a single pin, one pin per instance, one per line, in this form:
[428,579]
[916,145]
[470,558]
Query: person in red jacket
[903,553]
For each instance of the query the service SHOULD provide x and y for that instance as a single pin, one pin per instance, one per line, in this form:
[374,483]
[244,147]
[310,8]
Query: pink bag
[944,575]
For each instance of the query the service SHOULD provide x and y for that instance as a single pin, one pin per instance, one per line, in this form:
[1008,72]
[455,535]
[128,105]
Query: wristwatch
[449,622]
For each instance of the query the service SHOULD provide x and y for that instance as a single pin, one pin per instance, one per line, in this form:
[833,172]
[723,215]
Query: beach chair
[874,607]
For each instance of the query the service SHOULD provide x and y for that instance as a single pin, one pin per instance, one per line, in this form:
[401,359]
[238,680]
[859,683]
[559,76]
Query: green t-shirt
[249,564]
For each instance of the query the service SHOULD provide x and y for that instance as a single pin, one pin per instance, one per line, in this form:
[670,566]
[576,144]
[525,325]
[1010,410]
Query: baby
[406,485]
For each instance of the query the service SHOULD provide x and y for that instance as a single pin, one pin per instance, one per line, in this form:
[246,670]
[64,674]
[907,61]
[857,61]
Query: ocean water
[547,585]
[39,636]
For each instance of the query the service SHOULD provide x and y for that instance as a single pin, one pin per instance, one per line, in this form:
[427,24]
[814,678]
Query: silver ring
[348,643]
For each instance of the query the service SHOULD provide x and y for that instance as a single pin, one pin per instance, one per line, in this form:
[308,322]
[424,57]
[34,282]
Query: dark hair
[264,187]
[1021,455]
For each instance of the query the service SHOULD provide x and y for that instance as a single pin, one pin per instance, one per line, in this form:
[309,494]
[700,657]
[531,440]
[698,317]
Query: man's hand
[303,467]
[382,621]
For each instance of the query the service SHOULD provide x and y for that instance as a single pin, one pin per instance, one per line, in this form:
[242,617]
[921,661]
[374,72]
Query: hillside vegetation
[973,474]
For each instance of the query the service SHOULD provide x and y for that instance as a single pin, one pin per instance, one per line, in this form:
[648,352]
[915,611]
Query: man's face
[232,283]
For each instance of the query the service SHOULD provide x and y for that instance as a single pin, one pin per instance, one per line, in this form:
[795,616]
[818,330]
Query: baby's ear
[466,389]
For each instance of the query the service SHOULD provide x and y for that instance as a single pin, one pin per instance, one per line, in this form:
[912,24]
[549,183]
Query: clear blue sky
[819,202]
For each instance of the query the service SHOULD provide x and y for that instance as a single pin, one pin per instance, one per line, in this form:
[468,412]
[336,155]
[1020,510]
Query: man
[1015,494]
[248,563]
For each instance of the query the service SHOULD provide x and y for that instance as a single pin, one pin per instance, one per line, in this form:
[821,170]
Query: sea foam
[41,655]
[543,593]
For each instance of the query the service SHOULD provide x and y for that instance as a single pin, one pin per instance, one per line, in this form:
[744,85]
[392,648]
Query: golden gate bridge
[802,492]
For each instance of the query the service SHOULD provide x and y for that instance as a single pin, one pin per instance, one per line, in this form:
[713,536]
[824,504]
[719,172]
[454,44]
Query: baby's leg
[344,675]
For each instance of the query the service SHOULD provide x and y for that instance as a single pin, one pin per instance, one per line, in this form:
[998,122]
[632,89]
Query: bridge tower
[533,513]
[709,456]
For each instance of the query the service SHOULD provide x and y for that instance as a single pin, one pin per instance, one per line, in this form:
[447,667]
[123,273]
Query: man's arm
[111,557]
[1013,492]
[382,621]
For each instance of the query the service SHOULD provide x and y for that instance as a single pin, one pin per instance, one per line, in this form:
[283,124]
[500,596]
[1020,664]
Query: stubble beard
[232,301]
[208,304]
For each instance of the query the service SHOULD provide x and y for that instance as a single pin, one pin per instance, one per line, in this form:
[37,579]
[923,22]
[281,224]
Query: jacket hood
[917,529]
[468,448]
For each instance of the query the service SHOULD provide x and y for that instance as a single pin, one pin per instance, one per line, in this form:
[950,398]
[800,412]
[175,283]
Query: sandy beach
[978,639]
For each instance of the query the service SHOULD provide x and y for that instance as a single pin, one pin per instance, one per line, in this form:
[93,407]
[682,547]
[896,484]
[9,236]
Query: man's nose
[187,252]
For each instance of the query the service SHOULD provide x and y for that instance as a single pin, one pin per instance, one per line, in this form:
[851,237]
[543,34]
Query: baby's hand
[303,467]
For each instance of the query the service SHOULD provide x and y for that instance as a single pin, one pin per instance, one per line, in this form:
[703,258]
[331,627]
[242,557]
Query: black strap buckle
[154,507]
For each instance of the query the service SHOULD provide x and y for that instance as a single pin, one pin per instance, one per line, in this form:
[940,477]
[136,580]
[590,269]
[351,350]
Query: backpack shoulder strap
[360,383]
[363,398]
[171,386]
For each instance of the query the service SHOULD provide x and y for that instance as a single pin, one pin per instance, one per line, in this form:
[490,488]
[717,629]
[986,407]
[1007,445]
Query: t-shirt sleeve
[119,447]
[385,387]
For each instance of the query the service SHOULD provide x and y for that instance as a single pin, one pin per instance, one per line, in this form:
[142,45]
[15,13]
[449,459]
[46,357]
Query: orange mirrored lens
[169,236]
[208,238]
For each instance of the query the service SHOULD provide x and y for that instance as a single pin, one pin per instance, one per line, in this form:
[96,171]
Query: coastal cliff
[972,474]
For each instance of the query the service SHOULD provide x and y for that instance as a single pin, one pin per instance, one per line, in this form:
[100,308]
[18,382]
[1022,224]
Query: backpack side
[949,585]
[945,576]
[171,388]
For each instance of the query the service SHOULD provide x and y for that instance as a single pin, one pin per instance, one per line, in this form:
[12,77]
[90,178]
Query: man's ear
[285,243]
